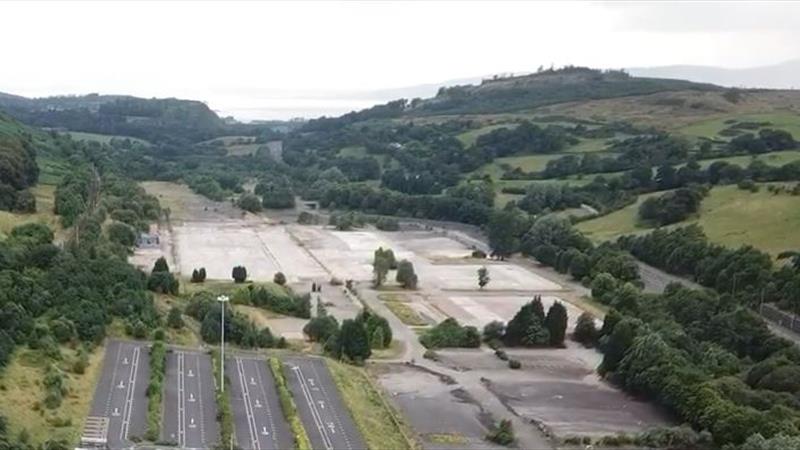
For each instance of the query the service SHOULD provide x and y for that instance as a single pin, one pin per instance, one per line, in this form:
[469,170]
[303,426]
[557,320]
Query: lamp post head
[222,298]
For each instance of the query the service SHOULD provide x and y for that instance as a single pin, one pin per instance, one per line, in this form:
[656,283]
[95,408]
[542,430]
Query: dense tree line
[450,333]
[278,299]
[602,194]
[671,207]
[51,295]
[18,169]
[747,273]
[384,202]
[684,349]
[524,139]
[767,140]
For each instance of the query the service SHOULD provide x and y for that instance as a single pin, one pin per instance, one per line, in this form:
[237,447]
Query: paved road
[258,418]
[190,413]
[121,393]
[326,419]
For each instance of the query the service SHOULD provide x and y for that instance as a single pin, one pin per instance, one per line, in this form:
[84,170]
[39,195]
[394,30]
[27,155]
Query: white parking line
[333,411]
[248,407]
[128,408]
[181,402]
[315,415]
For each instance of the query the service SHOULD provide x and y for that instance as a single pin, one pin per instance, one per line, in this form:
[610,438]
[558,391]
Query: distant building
[148,240]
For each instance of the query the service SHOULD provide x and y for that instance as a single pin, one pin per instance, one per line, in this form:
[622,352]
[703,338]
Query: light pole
[222,299]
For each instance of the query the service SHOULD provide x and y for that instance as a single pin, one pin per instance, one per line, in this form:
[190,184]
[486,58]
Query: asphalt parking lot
[189,417]
[121,392]
[258,418]
[324,416]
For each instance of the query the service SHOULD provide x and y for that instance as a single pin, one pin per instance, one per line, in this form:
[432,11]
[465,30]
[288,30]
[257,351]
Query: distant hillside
[785,75]
[150,119]
[549,87]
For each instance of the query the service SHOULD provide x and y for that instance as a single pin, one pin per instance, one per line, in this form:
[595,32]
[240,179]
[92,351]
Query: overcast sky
[277,60]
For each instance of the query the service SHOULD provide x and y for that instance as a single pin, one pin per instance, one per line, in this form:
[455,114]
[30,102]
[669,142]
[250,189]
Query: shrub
[501,354]
[585,330]
[158,357]
[122,234]
[249,202]
[199,275]
[279,278]
[479,254]
[430,354]
[493,331]
[449,333]
[239,274]
[502,434]
[175,318]
[514,364]
[163,283]
[387,224]
[406,275]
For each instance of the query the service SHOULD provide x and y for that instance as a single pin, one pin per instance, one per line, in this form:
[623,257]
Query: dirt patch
[435,409]
[560,389]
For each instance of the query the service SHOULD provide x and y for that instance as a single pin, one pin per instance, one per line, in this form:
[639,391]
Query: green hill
[499,95]
[729,216]
[167,119]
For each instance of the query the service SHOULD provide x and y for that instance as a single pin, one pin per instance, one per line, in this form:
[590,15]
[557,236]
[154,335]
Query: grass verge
[21,396]
[301,441]
[376,419]
[158,358]
[224,414]
[406,314]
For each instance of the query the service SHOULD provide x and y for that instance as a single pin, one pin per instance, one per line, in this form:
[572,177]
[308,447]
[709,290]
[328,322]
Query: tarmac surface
[189,417]
[121,392]
[257,415]
[324,416]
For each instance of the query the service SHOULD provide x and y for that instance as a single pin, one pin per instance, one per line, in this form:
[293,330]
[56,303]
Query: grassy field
[381,426]
[242,149]
[729,216]
[528,163]
[21,393]
[357,151]
[44,212]
[772,159]
[710,128]
[468,138]
[102,138]
[589,146]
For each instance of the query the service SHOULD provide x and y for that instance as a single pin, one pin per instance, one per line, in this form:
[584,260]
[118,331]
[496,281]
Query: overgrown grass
[158,359]
[45,198]
[405,313]
[301,440]
[224,414]
[380,425]
[21,396]
[447,438]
